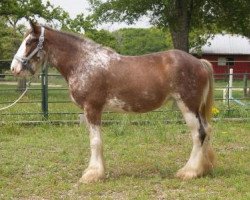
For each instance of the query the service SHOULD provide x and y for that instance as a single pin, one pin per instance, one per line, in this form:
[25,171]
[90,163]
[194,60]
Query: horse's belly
[115,104]
[136,103]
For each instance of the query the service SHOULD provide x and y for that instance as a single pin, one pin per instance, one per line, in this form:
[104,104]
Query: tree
[102,37]
[9,40]
[80,24]
[83,25]
[180,17]
[137,41]
[233,16]
[16,10]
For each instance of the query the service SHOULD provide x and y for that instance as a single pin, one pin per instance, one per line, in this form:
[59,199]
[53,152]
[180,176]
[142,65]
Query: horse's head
[30,55]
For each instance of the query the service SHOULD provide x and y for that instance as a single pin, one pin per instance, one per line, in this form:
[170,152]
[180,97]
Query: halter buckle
[41,40]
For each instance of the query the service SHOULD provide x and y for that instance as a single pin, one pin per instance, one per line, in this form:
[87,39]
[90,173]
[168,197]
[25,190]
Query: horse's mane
[69,34]
[80,38]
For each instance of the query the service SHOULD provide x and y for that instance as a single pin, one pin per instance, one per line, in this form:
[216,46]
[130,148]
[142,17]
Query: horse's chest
[78,87]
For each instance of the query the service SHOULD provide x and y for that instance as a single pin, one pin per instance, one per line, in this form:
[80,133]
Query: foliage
[80,24]
[83,25]
[9,39]
[180,17]
[126,41]
[14,11]
[102,37]
[233,16]
[131,41]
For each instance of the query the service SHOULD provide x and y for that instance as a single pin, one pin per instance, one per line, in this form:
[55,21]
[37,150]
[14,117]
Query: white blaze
[15,64]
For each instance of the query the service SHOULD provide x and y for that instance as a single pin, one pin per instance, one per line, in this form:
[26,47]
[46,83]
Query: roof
[227,44]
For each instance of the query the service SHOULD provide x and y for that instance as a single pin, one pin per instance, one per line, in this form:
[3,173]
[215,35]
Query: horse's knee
[92,114]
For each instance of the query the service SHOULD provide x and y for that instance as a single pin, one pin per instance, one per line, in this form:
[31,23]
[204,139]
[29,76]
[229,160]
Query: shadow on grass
[143,173]
[169,173]
[229,172]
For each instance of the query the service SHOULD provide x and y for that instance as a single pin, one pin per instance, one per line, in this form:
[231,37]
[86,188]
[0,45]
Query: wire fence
[47,100]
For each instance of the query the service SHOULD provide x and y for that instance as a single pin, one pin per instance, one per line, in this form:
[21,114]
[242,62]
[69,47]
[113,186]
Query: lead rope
[19,98]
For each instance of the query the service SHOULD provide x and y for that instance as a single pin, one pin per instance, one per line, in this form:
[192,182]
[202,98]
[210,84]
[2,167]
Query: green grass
[46,161]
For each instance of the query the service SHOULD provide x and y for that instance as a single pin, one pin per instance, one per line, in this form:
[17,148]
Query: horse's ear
[34,27]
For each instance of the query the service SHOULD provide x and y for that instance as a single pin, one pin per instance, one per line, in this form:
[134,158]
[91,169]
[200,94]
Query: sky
[74,7]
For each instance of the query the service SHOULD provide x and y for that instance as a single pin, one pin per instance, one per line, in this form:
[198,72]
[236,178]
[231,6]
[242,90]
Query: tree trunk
[180,39]
[179,27]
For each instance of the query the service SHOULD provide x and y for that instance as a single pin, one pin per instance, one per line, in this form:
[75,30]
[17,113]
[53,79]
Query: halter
[39,47]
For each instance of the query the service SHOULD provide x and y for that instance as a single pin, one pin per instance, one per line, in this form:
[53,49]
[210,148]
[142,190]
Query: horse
[99,79]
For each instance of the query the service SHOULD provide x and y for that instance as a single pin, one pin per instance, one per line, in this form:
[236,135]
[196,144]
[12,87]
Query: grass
[46,161]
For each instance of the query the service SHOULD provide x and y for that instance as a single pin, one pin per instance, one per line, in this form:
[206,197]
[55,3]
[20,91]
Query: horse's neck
[64,53]
[70,55]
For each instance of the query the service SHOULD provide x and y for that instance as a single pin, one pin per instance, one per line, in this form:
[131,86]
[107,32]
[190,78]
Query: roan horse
[99,78]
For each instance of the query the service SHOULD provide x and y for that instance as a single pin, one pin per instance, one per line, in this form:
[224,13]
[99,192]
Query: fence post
[21,86]
[230,84]
[44,79]
[245,85]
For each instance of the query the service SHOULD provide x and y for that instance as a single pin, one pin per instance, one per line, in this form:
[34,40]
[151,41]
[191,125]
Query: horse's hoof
[92,175]
[187,173]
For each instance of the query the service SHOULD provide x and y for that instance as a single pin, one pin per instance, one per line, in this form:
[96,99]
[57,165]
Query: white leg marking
[199,162]
[95,170]
[196,153]
[96,159]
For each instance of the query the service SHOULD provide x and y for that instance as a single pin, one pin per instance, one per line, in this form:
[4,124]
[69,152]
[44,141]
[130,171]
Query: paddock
[45,162]
[150,166]
[142,151]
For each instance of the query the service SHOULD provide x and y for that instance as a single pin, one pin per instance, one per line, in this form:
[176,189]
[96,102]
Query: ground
[46,161]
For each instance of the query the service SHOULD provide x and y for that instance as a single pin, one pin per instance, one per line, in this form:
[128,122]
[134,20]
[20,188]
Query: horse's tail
[208,97]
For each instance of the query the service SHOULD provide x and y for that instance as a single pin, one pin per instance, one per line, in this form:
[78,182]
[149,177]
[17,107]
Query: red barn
[226,51]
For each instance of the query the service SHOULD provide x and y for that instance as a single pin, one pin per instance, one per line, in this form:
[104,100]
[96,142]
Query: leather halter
[25,60]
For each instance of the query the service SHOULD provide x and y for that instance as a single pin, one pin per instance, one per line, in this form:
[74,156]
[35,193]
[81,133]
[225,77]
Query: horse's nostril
[13,70]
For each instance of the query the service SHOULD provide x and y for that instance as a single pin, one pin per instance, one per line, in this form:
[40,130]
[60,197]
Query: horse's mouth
[21,73]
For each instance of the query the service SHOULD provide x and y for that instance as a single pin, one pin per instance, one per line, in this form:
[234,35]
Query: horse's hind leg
[201,158]
[95,170]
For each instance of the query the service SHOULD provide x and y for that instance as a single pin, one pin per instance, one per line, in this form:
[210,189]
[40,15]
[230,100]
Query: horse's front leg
[96,169]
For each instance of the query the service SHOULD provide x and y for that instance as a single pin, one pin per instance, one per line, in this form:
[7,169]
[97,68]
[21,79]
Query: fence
[47,99]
